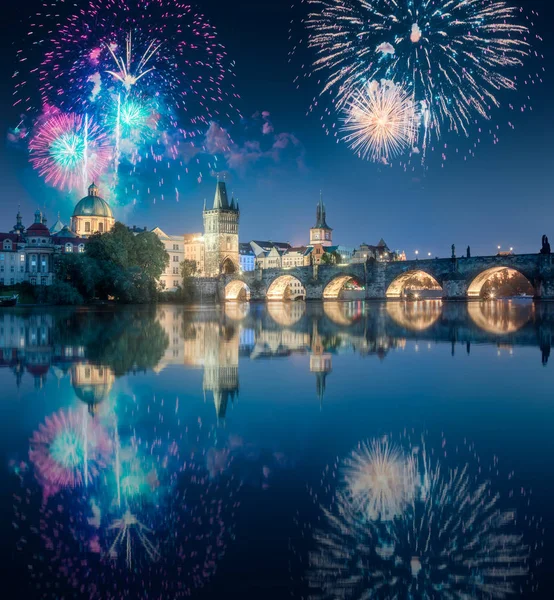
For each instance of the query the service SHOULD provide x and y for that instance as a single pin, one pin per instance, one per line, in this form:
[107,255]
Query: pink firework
[69,150]
[68,450]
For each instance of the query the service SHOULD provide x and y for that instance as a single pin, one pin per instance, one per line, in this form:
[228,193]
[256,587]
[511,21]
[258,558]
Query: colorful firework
[453,539]
[454,57]
[69,450]
[69,151]
[381,121]
[112,59]
[379,480]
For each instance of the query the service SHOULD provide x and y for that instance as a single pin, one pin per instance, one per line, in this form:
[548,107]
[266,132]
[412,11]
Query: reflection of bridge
[215,340]
[459,278]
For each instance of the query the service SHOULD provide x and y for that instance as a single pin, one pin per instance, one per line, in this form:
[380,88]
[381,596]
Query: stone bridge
[460,278]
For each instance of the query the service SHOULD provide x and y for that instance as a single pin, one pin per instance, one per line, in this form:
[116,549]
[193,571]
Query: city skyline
[479,202]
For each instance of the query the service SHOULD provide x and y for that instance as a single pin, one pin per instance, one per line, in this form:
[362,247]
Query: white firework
[130,531]
[380,480]
[381,121]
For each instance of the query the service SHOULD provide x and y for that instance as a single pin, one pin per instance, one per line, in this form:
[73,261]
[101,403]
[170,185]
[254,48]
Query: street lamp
[416,253]
[511,249]
[428,254]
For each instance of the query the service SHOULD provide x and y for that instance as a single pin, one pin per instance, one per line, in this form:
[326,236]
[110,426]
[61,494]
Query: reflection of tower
[321,363]
[221,365]
[92,383]
[221,234]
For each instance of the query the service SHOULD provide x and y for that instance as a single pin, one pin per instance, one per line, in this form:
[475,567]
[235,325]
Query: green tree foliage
[331,258]
[118,265]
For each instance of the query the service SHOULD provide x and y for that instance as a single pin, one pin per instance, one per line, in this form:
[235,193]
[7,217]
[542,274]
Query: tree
[188,270]
[331,258]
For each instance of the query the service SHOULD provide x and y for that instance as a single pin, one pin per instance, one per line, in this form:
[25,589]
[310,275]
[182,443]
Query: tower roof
[321,222]
[92,205]
[220,199]
[58,226]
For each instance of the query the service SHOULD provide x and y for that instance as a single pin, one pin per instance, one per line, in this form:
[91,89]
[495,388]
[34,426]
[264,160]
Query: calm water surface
[337,450]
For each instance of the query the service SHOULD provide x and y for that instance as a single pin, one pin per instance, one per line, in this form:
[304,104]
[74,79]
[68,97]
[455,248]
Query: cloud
[270,150]
[96,79]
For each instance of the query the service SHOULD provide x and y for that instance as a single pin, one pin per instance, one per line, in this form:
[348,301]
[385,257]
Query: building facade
[247,258]
[194,250]
[321,233]
[174,246]
[221,234]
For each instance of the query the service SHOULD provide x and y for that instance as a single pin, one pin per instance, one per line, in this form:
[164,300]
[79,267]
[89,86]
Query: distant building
[170,280]
[381,252]
[247,258]
[194,250]
[92,214]
[221,234]
[269,254]
[346,253]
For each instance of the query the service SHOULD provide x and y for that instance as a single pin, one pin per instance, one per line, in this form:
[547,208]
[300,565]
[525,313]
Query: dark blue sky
[502,196]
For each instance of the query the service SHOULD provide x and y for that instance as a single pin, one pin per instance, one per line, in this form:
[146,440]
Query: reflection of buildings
[320,363]
[92,383]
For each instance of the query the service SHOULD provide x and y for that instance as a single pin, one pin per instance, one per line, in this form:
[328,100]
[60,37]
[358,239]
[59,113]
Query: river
[336,450]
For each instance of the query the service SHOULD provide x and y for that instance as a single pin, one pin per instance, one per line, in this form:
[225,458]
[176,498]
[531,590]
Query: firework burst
[68,451]
[379,480]
[452,539]
[381,121]
[453,57]
[69,150]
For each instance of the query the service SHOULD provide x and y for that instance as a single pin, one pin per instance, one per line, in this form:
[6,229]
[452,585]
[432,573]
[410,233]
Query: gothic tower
[221,234]
[321,233]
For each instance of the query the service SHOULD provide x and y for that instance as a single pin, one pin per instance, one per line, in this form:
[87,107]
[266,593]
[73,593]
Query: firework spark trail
[454,55]
[86,181]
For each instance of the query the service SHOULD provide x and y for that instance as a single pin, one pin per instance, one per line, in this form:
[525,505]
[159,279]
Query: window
[69,247]
[22,257]
[33,241]
[12,269]
[101,227]
[87,372]
[175,270]
[33,280]
[175,246]
[81,247]
[87,227]
[175,258]
[12,281]
[22,269]
[44,281]
[44,264]
[175,283]
[2,256]
[7,245]
[228,243]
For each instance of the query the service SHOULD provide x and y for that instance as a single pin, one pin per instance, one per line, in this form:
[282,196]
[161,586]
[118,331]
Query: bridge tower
[321,234]
[221,234]
[221,366]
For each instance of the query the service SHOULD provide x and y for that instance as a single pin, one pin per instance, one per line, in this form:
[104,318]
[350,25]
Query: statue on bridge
[468,252]
[545,245]
[453,251]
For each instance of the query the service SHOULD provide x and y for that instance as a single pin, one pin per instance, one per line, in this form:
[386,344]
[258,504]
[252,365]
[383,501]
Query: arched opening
[414,285]
[285,288]
[500,282]
[228,267]
[344,287]
[343,313]
[415,316]
[286,314]
[237,291]
[500,318]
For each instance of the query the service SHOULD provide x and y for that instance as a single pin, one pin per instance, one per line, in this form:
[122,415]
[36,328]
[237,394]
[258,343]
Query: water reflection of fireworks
[452,540]
[379,479]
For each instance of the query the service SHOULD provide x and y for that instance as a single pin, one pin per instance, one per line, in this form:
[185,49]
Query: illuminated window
[22,257]
[87,227]
[69,247]
[81,247]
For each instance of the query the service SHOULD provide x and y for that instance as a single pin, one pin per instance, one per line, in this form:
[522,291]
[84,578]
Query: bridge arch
[333,289]
[477,282]
[286,287]
[237,291]
[406,280]
[228,266]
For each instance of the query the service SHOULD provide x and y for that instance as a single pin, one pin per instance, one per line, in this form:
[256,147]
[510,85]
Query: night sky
[501,196]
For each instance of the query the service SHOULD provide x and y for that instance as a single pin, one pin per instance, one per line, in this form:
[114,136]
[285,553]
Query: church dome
[93,206]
